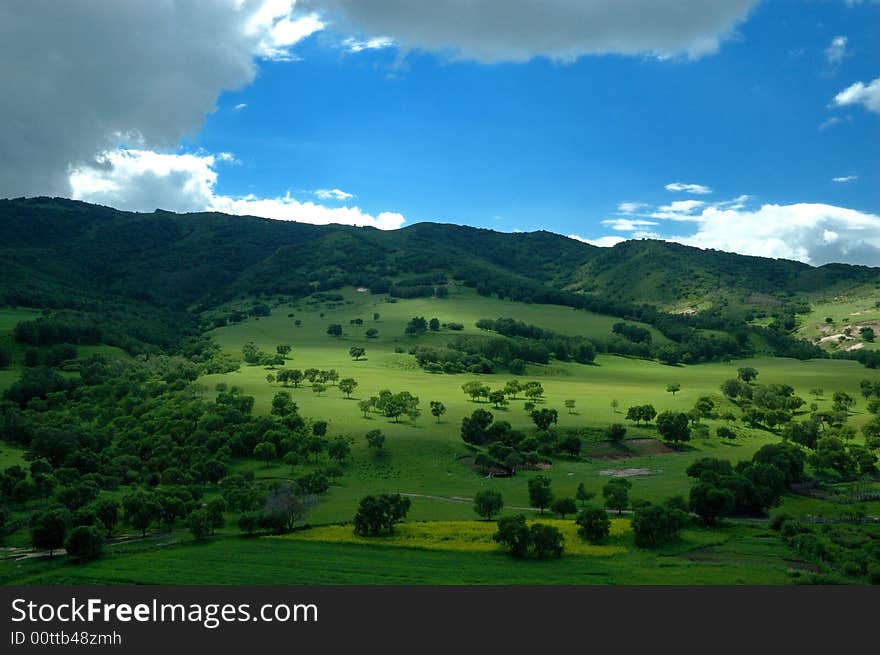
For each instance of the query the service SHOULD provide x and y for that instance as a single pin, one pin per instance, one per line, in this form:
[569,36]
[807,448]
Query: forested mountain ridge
[163,268]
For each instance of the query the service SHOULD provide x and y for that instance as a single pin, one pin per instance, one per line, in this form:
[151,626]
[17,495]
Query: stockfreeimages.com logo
[208,615]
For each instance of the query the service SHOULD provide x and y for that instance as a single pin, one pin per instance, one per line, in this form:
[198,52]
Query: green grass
[736,554]
[425,458]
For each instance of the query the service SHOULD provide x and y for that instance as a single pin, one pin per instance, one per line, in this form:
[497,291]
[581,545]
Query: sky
[751,126]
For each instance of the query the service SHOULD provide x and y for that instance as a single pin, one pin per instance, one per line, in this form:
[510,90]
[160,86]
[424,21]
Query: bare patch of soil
[625,473]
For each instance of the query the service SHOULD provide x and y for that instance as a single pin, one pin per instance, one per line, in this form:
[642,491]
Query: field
[427,460]
[851,311]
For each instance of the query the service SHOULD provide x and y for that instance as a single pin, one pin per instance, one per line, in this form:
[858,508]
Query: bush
[84,543]
[593,524]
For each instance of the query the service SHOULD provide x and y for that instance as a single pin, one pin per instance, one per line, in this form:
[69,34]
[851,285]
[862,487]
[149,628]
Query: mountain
[165,266]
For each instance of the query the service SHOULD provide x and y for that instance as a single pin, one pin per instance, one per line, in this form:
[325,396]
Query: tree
[533,390]
[438,409]
[655,525]
[283,350]
[283,405]
[199,524]
[746,374]
[540,494]
[379,514]
[488,503]
[639,413]
[616,432]
[266,451]
[474,427]
[513,534]
[497,398]
[284,507]
[375,316]
[434,325]
[563,506]
[347,386]
[319,428]
[141,509]
[365,406]
[270,378]
[356,352]
[593,524]
[511,388]
[583,495]
[725,432]
[544,418]
[614,405]
[49,528]
[84,543]
[673,426]
[372,333]
[569,405]
[616,494]
[867,333]
[318,388]
[334,330]
[843,402]
[216,509]
[416,325]
[547,540]
[817,391]
[375,439]
[339,449]
[475,389]
[673,388]
[107,511]
[709,502]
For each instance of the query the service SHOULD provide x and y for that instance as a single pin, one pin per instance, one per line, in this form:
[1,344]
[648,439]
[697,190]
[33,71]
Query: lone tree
[563,506]
[372,333]
[365,406]
[356,352]
[514,535]
[540,494]
[49,528]
[488,503]
[673,388]
[593,524]
[569,405]
[544,418]
[283,350]
[673,426]
[379,514]
[616,494]
[438,409]
[347,386]
[583,495]
[334,330]
[747,373]
[375,439]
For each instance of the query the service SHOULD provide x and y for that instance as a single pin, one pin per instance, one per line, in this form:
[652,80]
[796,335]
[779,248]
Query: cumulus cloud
[356,45]
[240,106]
[697,189]
[630,207]
[844,178]
[867,95]
[142,180]
[836,50]
[83,76]
[493,31]
[333,194]
[602,242]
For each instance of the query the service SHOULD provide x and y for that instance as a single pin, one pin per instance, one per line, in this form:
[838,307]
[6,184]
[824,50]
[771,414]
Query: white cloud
[493,31]
[630,207]
[240,106]
[333,194]
[142,180]
[355,45]
[832,121]
[679,210]
[627,224]
[697,189]
[809,232]
[836,51]
[845,178]
[602,242]
[81,77]
[861,94]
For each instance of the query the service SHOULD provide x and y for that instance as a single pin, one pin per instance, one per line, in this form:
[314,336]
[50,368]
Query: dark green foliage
[540,493]
[488,503]
[49,529]
[564,506]
[673,426]
[709,502]
[640,413]
[593,524]
[547,540]
[84,543]
[616,432]
[544,418]
[378,514]
[199,523]
[656,525]
[616,494]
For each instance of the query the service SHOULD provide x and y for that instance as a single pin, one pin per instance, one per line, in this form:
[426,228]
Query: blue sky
[744,125]
[557,146]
